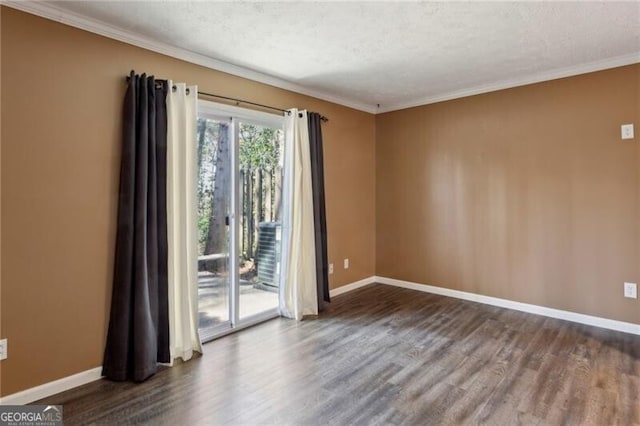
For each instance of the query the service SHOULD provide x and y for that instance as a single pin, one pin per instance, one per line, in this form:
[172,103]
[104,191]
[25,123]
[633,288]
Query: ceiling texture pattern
[391,54]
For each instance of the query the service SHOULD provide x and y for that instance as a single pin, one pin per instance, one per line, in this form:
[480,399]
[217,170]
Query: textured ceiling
[395,54]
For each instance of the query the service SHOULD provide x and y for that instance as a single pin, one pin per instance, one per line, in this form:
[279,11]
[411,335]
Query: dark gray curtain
[138,336]
[319,212]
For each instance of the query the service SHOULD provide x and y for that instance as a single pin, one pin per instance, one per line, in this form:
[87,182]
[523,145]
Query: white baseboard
[52,388]
[350,287]
[66,383]
[39,392]
[610,324]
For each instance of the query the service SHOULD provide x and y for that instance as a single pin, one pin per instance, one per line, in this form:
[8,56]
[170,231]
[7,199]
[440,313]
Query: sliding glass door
[260,189]
[214,209]
[239,194]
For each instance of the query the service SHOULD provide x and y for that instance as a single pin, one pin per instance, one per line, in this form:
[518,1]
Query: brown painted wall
[527,194]
[61,104]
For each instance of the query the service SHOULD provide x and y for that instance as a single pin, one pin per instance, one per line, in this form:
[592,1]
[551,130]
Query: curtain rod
[283,111]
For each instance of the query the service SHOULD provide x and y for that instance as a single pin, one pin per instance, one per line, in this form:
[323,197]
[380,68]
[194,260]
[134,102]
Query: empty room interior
[320,213]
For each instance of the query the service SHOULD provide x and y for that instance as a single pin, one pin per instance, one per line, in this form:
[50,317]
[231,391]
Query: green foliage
[259,147]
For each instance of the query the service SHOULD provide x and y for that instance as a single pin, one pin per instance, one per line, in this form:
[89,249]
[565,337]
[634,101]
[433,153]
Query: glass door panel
[259,217]
[240,175]
[214,202]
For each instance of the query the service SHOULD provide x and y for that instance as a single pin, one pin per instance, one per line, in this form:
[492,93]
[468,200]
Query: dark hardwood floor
[385,355]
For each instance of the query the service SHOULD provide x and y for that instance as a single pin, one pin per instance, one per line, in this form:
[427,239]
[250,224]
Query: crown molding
[51,12]
[614,62]
[54,13]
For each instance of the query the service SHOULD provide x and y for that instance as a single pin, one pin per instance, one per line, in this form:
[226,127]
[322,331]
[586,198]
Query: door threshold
[244,323]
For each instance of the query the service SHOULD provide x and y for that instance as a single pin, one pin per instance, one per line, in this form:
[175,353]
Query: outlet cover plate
[626,131]
[3,349]
[631,290]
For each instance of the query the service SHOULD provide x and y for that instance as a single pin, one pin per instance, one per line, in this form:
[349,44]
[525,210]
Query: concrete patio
[213,298]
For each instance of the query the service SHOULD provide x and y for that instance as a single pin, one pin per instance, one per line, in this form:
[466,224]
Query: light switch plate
[3,349]
[626,131]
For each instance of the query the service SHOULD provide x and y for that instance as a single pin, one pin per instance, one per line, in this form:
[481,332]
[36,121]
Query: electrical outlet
[626,131]
[631,290]
[331,268]
[3,349]
[346,264]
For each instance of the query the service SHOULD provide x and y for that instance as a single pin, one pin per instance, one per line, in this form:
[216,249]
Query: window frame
[218,110]
[234,115]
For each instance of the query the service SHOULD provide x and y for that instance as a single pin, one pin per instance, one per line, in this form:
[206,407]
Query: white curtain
[182,221]
[298,291]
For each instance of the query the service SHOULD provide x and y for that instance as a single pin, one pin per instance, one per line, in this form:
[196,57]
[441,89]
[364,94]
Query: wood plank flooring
[385,355]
